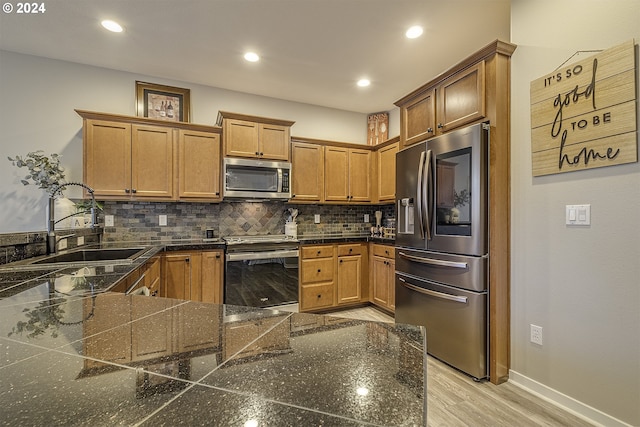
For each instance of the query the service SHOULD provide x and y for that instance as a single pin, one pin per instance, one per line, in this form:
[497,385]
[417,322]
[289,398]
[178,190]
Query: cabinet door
[212,277]
[240,138]
[336,174]
[380,269]
[152,275]
[349,279]
[199,165]
[107,157]
[274,142]
[417,119]
[359,175]
[461,99]
[177,276]
[152,150]
[386,175]
[391,283]
[307,176]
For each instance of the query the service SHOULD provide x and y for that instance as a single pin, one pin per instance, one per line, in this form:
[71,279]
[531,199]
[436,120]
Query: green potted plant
[44,171]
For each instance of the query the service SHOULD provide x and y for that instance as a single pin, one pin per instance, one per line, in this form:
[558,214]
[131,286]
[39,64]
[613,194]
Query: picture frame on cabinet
[162,102]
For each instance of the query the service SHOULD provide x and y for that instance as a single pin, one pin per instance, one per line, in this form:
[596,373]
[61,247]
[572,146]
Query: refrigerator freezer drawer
[468,272]
[455,321]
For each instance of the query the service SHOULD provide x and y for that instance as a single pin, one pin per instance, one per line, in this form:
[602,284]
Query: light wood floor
[454,399]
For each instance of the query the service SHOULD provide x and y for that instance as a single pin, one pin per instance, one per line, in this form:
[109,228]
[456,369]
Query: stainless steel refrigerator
[442,245]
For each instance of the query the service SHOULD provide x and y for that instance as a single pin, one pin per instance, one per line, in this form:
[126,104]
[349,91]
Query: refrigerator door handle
[428,199]
[456,298]
[436,262]
[419,201]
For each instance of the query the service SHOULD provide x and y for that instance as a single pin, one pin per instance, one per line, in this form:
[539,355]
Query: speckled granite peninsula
[74,353]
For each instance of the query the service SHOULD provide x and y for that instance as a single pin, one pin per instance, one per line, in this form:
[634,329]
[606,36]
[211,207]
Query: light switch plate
[578,215]
[366,217]
[316,219]
[108,220]
[162,220]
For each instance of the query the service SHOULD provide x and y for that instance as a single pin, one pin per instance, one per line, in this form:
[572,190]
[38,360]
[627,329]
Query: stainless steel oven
[261,271]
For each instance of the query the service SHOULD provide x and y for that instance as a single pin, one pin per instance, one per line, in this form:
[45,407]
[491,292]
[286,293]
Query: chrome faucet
[51,222]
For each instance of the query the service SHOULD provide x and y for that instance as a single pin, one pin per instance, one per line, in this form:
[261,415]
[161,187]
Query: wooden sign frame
[583,115]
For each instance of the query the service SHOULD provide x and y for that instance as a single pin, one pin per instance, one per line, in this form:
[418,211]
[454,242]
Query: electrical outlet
[108,220]
[316,219]
[162,220]
[366,217]
[536,334]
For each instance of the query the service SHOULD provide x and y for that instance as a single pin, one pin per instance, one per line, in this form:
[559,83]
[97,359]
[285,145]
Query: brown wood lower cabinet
[193,275]
[332,276]
[383,276]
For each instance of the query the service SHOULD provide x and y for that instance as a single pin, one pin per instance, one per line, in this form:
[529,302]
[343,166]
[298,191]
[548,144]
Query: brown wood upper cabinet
[199,166]
[386,172]
[255,137]
[137,158]
[307,160]
[347,174]
[124,160]
[448,104]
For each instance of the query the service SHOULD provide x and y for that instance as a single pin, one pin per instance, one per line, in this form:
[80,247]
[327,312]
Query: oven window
[244,178]
[262,283]
[453,193]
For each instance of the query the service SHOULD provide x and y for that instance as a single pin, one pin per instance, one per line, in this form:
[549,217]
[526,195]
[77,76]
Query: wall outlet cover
[316,219]
[108,220]
[366,217]
[162,220]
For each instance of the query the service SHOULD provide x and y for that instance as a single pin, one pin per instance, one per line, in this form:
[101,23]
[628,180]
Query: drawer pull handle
[318,270]
[319,296]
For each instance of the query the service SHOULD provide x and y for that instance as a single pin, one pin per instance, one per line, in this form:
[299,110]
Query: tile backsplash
[186,221]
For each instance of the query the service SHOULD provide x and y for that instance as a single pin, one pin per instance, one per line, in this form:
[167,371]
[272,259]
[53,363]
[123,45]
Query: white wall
[37,112]
[582,285]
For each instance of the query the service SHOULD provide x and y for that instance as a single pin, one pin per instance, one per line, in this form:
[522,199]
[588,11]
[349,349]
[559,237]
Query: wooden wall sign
[377,128]
[583,115]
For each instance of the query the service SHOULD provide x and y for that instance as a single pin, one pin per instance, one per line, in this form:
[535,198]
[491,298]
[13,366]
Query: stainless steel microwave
[256,179]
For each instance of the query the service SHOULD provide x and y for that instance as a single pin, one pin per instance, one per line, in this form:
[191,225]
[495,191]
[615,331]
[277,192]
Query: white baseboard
[567,403]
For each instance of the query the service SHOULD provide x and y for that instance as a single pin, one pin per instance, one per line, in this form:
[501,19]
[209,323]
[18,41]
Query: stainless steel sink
[93,255]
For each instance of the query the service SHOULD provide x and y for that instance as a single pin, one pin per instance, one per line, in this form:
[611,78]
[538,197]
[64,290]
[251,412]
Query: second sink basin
[89,255]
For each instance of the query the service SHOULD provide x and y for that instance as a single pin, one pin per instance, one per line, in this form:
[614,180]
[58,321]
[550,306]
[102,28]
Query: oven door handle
[456,298]
[245,256]
[436,262]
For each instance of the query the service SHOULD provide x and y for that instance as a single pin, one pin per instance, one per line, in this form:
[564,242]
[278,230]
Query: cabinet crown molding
[94,115]
[246,117]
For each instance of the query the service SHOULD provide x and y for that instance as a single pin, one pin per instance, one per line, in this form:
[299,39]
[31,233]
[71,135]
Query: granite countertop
[75,354]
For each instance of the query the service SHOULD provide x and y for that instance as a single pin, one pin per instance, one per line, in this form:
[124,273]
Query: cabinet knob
[319,296]
[350,249]
[186,260]
[429,130]
[217,193]
[126,190]
[440,125]
[217,256]
[318,270]
[261,153]
[257,153]
[293,195]
[319,252]
[133,190]
[340,261]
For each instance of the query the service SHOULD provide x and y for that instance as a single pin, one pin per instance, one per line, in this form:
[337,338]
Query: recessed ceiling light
[414,32]
[251,57]
[364,82]
[112,26]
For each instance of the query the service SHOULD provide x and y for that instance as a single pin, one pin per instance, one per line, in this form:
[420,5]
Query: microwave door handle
[456,298]
[419,192]
[428,198]
[279,180]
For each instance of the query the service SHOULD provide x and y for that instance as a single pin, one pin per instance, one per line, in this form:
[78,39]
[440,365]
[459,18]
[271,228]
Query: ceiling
[312,51]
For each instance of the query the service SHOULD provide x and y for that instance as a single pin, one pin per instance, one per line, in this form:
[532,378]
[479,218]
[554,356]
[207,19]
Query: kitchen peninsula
[77,354]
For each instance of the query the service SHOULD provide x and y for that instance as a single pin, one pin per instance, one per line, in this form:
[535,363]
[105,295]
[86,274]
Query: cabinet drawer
[316,296]
[384,251]
[356,249]
[316,270]
[317,251]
